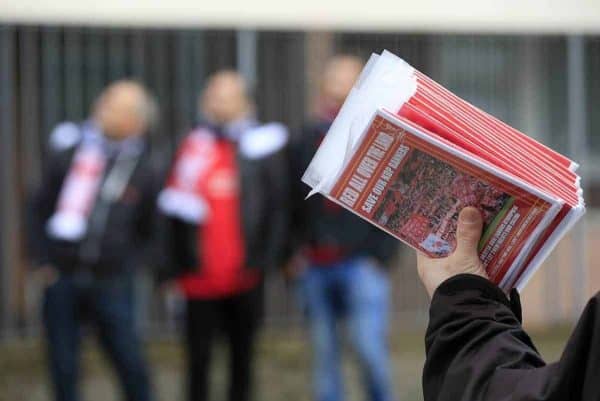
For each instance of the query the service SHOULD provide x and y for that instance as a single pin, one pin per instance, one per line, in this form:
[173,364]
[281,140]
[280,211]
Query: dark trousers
[108,305]
[237,317]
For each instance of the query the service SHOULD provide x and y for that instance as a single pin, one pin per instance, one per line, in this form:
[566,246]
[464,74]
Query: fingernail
[470,215]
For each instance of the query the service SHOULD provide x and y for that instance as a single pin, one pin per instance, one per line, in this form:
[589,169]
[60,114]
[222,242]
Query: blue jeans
[357,291]
[108,304]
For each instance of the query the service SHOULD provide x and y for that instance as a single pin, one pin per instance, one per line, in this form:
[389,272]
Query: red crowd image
[425,198]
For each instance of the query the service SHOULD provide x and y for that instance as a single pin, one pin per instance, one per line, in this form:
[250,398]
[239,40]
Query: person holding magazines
[225,202]
[476,348]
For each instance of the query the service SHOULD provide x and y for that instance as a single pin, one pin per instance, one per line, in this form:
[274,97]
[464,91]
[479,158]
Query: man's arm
[476,348]
[180,242]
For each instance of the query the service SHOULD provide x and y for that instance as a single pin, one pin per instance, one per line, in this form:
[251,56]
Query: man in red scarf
[225,201]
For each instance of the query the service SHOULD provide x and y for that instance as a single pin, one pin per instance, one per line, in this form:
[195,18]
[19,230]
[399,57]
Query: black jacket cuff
[463,286]
[471,282]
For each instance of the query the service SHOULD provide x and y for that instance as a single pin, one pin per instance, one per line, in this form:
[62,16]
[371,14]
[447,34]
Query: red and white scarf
[84,182]
[79,190]
[181,197]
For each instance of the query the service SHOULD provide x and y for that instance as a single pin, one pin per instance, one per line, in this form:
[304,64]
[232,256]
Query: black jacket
[264,199]
[318,222]
[477,350]
[130,223]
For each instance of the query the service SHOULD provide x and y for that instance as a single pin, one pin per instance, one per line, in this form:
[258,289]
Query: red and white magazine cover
[426,107]
[413,185]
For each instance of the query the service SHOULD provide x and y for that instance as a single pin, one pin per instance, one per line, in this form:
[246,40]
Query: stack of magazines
[407,155]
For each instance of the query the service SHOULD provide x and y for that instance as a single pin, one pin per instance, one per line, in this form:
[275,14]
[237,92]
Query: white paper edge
[564,227]
[529,244]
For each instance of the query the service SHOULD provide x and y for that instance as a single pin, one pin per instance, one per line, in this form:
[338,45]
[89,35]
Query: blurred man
[339,263]
[475,345]
[226,199]
[89,222]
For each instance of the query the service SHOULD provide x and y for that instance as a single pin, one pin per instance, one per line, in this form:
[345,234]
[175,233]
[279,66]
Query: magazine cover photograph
[423,202]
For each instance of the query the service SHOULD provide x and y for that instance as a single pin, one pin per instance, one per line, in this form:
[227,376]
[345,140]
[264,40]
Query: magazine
[407,155]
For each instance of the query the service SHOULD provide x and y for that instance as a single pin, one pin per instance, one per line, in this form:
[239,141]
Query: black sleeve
[149,223]
[277,239]
[180,244]
[41,206]
[477,350]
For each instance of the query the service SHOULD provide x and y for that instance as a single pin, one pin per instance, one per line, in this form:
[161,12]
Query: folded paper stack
[407,155]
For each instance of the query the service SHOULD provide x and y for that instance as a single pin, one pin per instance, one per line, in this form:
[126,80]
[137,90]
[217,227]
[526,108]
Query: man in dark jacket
[90,221]
[339,262]
[226,202]
[476,348]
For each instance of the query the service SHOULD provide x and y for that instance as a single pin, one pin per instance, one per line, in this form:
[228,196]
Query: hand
[464,259]
[46,275]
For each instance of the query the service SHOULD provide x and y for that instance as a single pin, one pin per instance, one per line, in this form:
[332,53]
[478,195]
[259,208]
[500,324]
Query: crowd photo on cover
[226,210]
[425,198]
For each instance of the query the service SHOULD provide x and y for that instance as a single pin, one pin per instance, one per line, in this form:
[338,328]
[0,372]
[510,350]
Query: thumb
[468,231]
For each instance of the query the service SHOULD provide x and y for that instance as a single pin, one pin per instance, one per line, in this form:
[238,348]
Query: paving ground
[282,374]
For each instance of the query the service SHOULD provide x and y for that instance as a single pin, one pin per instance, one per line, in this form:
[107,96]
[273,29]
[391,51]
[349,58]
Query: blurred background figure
[90,222]
[340,262]
[226,200]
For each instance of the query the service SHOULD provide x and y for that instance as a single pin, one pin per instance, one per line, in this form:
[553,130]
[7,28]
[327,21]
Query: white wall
[558,16]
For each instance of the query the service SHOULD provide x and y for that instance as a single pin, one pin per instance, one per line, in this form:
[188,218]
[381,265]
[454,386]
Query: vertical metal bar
[246,56]
[294,112]
[95,64]
[199,68]
[160,79]
[74,104]
[138,51]
[8,254]
[29,91]
[530,86]
[318,48]
[576,117]
[183,75]
[51,79]
[117,55]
